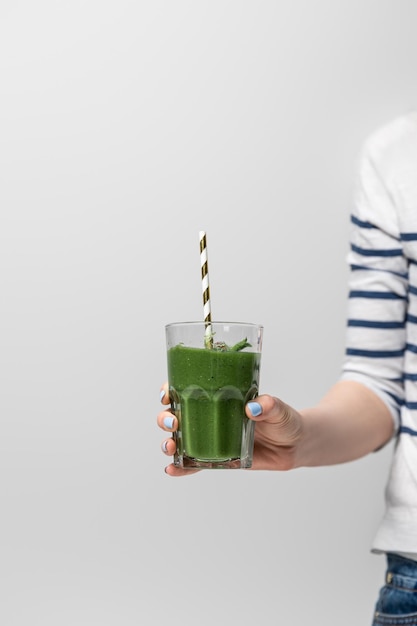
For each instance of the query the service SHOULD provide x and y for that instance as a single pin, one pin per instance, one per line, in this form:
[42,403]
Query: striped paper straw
[208,339]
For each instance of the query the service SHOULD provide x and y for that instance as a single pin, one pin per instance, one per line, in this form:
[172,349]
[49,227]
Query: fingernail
[255,408]
[162,394]
[169,422]
[164,445]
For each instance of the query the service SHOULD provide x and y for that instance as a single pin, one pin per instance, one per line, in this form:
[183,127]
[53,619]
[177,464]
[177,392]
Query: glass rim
[214,322]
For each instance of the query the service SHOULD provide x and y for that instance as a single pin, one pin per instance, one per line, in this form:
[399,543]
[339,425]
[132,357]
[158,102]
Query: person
[375,398]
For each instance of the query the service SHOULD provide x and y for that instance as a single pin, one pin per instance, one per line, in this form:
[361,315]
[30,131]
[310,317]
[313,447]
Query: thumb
[268,408]
[280,422]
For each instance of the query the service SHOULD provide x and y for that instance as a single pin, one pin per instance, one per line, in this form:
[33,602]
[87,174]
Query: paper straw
[208,339]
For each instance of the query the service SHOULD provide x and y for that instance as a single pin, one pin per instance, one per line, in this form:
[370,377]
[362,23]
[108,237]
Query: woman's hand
[278,430]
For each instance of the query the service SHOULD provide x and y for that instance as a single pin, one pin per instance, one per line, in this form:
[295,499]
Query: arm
[348,423]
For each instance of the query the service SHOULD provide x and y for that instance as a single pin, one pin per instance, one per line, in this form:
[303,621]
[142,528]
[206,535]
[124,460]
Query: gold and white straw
[208,338]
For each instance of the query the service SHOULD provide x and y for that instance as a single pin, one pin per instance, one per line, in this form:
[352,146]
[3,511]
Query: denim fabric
[397,602]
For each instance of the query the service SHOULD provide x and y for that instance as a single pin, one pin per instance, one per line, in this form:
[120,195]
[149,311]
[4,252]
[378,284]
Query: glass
[209,385]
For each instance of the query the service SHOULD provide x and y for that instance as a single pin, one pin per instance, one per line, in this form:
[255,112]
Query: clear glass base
[190,463]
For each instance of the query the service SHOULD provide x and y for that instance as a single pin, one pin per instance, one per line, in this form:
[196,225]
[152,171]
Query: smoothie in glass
[209,388]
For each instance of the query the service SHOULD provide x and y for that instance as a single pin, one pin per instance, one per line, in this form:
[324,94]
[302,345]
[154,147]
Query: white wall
[125,128]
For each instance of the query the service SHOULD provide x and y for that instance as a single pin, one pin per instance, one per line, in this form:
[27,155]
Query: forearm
[348,423]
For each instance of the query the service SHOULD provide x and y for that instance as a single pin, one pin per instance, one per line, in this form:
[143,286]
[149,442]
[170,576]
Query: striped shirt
[381,349]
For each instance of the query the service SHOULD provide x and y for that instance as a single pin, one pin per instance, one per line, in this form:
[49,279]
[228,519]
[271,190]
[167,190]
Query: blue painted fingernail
[162,394]
[255,408]
[169,422]
[164,445]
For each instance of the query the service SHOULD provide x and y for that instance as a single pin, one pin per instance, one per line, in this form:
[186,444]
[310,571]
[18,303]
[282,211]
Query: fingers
[164,394]
[168,447]
[167,421]
[172,470]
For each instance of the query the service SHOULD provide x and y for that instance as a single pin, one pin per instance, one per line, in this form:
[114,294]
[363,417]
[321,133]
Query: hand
[278,431]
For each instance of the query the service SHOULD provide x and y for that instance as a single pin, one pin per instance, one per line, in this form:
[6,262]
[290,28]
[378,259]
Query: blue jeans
[397,602]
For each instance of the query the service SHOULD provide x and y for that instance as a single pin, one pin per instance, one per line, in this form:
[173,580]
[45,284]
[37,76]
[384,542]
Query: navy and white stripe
[381,350]
[378,317]
[376,325]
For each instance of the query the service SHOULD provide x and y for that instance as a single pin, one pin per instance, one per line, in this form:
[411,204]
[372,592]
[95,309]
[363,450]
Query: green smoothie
[208,391]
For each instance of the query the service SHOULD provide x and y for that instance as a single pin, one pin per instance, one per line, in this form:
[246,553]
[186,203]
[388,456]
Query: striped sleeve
[378,284]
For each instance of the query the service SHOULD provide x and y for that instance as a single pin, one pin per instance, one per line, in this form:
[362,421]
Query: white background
[125,128]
